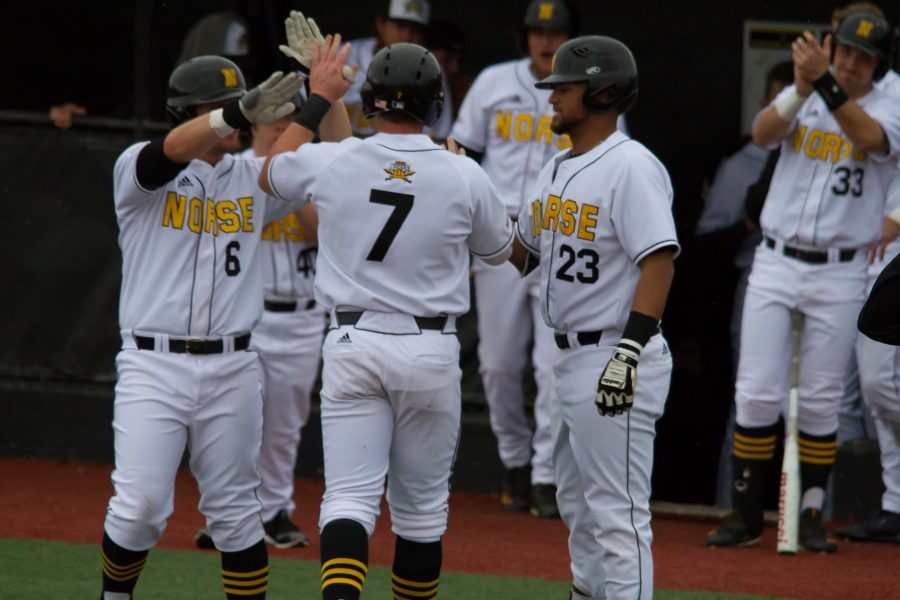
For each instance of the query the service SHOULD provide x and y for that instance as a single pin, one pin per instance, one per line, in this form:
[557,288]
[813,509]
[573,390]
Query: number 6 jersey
[591,219]
[398,217]
[825,193]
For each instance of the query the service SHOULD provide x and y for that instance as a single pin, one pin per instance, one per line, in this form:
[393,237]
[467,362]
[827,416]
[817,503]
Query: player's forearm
[336,124]
[657,271]
[769,127]
[863,131]
[190,140]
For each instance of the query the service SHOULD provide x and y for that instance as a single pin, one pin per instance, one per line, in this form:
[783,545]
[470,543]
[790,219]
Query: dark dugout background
[61,265]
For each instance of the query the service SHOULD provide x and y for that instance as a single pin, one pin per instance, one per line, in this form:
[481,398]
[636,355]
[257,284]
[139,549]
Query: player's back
[398,217]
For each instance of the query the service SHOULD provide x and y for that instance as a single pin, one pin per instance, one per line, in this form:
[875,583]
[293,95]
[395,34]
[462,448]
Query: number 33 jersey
[592,219]
[398,217]
[824,192]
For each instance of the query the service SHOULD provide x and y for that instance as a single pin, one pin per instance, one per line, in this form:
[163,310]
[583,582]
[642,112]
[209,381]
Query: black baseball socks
[121,567]
[416,571]
[754,448]
[245,573]
[345,559]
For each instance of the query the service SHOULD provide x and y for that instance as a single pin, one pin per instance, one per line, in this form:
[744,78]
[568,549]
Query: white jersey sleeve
[292,175]
[129,192]
[643,188]
[887,113]
[492,232]
[471,126]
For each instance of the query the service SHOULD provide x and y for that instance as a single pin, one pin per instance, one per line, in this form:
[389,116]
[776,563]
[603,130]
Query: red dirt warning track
[66,501]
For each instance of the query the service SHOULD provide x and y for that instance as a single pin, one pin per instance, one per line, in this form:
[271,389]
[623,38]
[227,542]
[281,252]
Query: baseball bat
[789,492]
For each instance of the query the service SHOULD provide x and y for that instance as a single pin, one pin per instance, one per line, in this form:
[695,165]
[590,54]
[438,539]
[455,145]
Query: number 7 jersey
[398,217]
[592,218]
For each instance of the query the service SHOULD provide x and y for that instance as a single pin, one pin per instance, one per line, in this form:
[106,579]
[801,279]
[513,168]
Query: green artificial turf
[39,570]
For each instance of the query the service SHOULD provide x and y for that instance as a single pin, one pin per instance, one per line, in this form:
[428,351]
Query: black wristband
[233,117]
[313,112]
[640,328]
[831,91]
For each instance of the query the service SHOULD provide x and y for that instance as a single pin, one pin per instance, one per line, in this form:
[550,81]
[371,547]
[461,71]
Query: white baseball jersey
[361,53]
[507,119]
[824,192]
[592,218]
[421,211]
[204,231]
[287,258]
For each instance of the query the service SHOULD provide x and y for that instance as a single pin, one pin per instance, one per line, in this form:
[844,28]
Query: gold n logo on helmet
[865,28]
[230,76]
[545,11]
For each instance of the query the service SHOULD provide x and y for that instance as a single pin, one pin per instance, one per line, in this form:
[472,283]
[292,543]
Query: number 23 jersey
[592,219]
[398,217]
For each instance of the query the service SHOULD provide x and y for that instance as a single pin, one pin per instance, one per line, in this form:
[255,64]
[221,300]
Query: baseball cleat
[733,533]
[883,527]
[281,532]
[203,539]
[812,533]
[543,501]
[516,493]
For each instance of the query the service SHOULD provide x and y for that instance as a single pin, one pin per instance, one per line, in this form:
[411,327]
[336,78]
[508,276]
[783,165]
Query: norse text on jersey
[285,229]
[525,127]
[212,216]
[823,145]
[567,217]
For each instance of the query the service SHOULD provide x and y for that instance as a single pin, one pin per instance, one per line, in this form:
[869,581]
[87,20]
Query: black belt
[585,338]
[815,257]
[351,318]
[289,306]
[192,346]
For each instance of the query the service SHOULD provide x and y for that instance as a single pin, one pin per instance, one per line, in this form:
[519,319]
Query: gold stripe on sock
[817,461]
[802,441]
[823,453]
[245,573]
[754,455]
[418,594]
[253,592]
[345,561]
[769,439]
[415,584]
[752,448]
[337,580]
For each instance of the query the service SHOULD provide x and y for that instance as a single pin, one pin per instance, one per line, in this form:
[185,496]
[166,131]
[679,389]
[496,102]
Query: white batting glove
[615,389]
[303,36]
[270,100]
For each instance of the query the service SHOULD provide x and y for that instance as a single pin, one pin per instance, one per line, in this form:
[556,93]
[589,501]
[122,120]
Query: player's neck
[590,133]
[385,126]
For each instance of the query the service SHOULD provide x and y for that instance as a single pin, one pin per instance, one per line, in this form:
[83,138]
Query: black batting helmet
[870,34]
[202,80]
[603,63]
[555,14]
[404,77]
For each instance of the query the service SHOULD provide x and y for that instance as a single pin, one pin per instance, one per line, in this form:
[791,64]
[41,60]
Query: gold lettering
[799,134]
[195,215]
[230,76]
[226,211]
[536,218]
[212,226]
[813,146]
[567,217]
[552,213]
[543,130]
[831,146]
[504,121]
[587,222]
[524,125]
[173,214]
[246,205]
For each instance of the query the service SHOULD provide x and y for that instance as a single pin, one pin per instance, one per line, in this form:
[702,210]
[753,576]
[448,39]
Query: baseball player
[505,122]
[189,216]
[405,21]
[600,221]
[879,376]
[288,340]
[398,217]
[839,139]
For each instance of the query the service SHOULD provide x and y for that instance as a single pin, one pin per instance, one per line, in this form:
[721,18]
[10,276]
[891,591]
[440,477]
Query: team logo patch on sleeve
[399,170]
